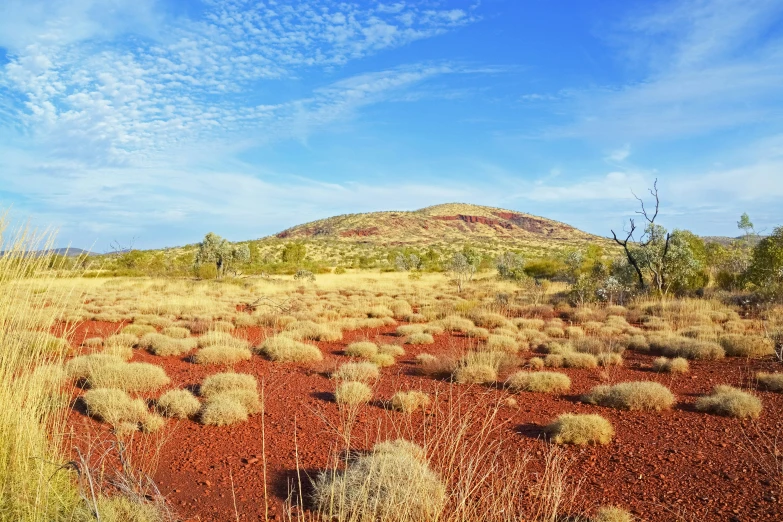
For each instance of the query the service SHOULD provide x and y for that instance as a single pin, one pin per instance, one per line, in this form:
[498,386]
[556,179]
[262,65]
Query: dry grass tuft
[475,373]
[646,396]
[222,410]
[675,346]
[546,382]
[221,354]
[392,483]
[176,332]
[163,345]
[363,349]
[770,381]
[612,514]
[581,430]
[730,402]
[179,404]
[420,338]
[609,359]
[352,393]
[127,376]
[676,365]
[382,360]
[228,381]
[410,401]
[114,406]
[504,343]
[395,350]
[358,371]
[123,339]
[138,329]
[535,363]
[284,349]
[746,345]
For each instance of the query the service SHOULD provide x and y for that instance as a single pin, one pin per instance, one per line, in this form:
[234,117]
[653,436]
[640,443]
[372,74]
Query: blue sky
[163,120]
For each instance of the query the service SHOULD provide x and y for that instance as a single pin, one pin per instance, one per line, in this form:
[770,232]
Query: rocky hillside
[451,222]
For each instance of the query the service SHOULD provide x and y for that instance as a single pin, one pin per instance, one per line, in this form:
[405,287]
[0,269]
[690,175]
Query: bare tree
[650,235]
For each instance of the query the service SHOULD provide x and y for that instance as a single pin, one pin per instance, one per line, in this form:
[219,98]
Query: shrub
[218,383]
[221,354]
[595,346]
[570,428]
[382,360]
[114,406]
[676,365]
[770,381]
[364,349]
[502,342]
[128,377]
[746,345]
[730,402]
[138,330]
[531,324]
[420,338]
[222,410]
[609,359]
[547,382]
[358,371]
[352,393]
[284,349]
[536,363]
[176,332]
[393,482]
[408,402]
[179,404]
[612,514]
[648,396]
[475,373]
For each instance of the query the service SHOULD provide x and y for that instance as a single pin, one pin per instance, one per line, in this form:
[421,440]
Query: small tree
[746,225]
[220,252]
[461,270]
[766,268]
[406,263]
[294,253]
[511,266]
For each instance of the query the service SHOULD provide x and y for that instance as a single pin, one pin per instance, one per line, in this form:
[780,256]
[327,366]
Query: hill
[447,222]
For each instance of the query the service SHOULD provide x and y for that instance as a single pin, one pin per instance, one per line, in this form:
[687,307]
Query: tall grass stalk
[34,486]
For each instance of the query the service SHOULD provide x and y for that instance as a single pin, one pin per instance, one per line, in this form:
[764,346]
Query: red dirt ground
[679,461]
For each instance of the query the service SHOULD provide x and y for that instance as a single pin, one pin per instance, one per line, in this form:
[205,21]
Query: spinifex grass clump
[730,402]
[580,430]
[393,482]
[649,396]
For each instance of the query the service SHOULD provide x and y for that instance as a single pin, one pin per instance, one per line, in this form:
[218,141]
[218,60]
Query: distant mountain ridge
[446,222]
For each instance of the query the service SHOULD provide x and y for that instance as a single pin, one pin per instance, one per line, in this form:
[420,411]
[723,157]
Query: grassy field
[94,377]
